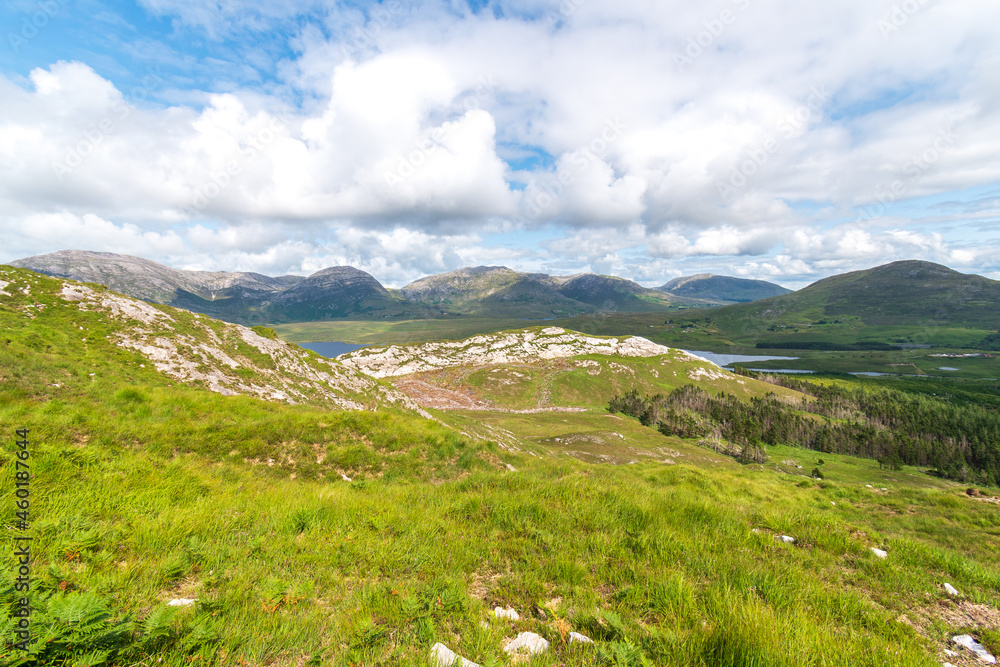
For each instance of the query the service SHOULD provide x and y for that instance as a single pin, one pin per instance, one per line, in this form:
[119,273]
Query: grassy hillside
[900,303]
[146,489]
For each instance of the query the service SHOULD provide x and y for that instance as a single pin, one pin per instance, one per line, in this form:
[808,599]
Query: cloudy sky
[648,139]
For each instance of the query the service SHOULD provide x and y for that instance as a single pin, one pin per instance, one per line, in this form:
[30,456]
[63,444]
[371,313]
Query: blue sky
[641,139]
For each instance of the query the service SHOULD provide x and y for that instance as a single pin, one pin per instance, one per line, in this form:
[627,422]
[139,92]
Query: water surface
[726,359]
[331,349]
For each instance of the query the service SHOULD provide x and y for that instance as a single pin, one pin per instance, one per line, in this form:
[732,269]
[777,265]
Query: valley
[359,510]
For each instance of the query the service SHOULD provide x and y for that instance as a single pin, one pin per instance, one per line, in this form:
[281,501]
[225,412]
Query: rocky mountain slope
[721,289]
[546,389]
[545,368]
[148,280]
[80,321]
[523,346]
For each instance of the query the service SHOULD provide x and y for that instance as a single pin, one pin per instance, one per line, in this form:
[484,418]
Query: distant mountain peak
[722,289]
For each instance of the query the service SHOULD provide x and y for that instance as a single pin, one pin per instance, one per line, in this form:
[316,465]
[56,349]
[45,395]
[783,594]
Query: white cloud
[381,136]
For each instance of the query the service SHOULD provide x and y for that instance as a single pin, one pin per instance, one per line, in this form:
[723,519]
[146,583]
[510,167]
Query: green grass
[143,491]
[662,558]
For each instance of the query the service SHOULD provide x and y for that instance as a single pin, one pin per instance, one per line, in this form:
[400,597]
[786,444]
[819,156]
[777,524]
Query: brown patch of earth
[962,617]
[427,395]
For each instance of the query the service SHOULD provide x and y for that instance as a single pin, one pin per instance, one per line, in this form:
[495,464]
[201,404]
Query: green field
[661,563]
[312,536]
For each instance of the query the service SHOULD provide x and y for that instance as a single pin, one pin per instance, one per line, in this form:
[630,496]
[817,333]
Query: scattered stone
[880,553]
[181,602]
[966,641]
[833,503]
[884,490]
[345,477]
[527,642]
[507,613]
[950,654]
[512,468]
[577,638]
[442,656]
[785,538]
[950,589]
[869,486]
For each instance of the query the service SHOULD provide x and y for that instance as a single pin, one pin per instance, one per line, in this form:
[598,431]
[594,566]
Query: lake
[728,359]
[330,349]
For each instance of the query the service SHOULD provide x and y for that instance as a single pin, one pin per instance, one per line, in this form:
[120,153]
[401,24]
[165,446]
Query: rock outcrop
[500,348]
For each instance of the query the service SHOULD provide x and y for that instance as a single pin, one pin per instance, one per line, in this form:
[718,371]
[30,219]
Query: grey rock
[966,641]
[442,656]
[527,642]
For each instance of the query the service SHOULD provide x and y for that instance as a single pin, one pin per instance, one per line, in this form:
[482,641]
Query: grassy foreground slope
[145,490]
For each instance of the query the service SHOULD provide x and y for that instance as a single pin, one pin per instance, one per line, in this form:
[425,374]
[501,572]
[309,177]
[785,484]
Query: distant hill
[233,296]
[723,289]
[497,291]
[907,292]
[494,291]
[904,303]
[337,292]
[247,298]
[146,279]
[347,293]
[609,293]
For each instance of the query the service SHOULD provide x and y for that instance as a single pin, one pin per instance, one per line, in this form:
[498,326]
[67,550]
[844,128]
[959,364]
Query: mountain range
[346,292]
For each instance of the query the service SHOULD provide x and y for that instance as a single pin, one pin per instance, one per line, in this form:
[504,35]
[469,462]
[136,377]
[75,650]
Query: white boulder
[950,589]
[181,602]
[880,553]
[527,642]
[442,656]
[966,641]
[576,637]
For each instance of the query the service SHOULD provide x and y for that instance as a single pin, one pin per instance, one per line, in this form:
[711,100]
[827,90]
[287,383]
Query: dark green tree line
[961,443]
